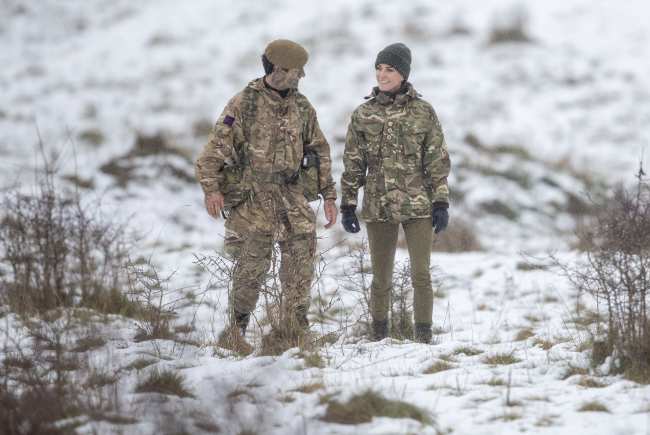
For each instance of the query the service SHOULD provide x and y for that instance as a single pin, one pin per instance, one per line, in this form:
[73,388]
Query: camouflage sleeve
[436,161]
[220,147]
[316,141]
[355,165]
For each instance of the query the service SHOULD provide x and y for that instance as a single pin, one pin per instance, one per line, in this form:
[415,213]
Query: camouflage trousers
[382,238]
[277,214]
[253,255]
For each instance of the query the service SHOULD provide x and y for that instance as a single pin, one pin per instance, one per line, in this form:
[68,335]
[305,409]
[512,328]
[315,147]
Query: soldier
[253,170]
[396,150]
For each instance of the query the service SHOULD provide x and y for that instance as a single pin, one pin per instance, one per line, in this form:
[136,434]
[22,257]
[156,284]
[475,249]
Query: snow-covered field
[531,126]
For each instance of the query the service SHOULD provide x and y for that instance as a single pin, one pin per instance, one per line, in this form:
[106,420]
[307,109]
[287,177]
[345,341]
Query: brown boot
[232,339]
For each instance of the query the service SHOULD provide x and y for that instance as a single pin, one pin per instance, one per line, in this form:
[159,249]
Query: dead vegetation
[59,251]
[510,26]
[166,382]
[169,161]
[616,273]
[361,408]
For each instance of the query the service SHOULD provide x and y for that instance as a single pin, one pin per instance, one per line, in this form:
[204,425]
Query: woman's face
[388,79]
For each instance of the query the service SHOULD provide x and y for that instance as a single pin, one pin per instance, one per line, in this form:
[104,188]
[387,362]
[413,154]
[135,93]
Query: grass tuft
[466,350]
[496,382]
[544,344]
[164,382]
[438,366]
[88,343]
[501,359]
[361,408]
[524,334]
[574,370]
[588,382]
[593,406]
[141,363]
[309,388]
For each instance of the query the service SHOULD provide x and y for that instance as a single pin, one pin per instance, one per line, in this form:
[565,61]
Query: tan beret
[286,54]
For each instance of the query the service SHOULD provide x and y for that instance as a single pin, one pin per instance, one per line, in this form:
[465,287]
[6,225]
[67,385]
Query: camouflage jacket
[395,149]
[282,129]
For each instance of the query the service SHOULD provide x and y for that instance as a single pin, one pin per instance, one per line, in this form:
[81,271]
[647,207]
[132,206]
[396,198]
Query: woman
[396,150]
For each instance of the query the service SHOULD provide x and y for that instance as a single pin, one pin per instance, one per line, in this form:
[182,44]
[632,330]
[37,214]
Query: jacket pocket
[413,137]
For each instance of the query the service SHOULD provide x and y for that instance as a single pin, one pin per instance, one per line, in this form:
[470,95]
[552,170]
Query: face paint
[283,78]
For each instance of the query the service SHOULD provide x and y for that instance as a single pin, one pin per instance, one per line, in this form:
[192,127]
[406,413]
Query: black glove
[439,216]
[349,220]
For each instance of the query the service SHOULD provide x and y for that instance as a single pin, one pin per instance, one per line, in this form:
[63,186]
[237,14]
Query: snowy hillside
[540,102]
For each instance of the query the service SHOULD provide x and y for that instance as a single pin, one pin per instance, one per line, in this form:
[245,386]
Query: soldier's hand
[214,203]
[439,216]
[330,212]
[349,219]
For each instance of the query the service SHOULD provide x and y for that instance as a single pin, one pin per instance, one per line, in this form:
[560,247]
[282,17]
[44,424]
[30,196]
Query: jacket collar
[402,96]
[258,85]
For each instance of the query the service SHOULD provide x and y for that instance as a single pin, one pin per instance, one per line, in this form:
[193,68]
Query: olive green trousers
[382,238]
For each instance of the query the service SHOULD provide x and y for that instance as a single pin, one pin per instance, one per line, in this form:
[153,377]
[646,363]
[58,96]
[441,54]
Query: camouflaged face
[281,130]
[396,150]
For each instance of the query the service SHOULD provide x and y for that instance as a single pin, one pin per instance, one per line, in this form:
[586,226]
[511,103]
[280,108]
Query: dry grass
[573,371]
[460,236]
[496,382]
[527,266]
[507,416]
[164,382]
[98,379]
[313,359]
[141,363]
[361,408]
[309,388]
[587,382]
[501,359]
[524,334]
[466,350]
[438,366]
[593,406]
[544,344]
[92,136]
[88,343]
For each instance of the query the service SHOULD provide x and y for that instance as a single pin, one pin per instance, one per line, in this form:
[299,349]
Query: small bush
[361,408]
[616,272]
[58,251]
[151,292]
[164,382]
[401,303]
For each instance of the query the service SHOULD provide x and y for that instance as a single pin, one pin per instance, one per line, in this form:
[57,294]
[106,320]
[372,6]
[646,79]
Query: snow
[576,100]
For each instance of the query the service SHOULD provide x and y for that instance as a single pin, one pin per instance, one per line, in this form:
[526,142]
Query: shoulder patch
[229,120]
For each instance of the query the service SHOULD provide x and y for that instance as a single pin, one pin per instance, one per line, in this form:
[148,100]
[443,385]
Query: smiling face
[283,78]
[388,78]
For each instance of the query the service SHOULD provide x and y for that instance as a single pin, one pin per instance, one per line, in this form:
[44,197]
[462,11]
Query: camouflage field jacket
[396,150]
[278,135]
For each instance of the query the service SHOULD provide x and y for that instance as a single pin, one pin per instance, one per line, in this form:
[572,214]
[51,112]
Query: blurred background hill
[540,101]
